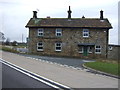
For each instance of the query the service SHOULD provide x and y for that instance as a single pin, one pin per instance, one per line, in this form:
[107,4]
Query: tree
[14,43]
[7,41]
[2,38]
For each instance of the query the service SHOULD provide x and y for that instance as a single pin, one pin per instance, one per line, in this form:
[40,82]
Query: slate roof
[73,22]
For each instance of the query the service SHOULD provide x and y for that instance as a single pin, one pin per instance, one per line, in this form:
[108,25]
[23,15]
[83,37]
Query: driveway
[76,63]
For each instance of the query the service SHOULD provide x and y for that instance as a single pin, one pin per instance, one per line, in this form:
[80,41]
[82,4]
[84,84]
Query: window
[39,46]
[80,49]
[90,49]
[85,33]
[110,48]
[58,46]
[58,32]
[40,32]
[97,49]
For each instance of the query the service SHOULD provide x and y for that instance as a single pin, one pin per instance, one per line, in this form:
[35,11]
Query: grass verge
[8,49]
[111,68]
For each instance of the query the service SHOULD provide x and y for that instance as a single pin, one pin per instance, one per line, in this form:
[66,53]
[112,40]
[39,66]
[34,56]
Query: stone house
[72,37]
[114,52]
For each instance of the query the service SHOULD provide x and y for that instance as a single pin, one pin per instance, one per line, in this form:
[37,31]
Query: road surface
[12,78]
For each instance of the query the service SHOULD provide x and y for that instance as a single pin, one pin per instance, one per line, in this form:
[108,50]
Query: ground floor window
[58,46]
[80,50]
[83,49]
[90,49]
[40,46]
[110,48]
[98,49]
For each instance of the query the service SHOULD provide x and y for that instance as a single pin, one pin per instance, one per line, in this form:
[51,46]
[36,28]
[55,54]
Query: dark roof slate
[73,22]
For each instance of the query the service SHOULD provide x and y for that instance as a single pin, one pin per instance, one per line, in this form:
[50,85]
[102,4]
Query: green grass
[111,68]
[8,49]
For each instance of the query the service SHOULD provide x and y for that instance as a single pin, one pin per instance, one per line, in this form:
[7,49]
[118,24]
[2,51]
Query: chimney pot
[83,16]
[34,14]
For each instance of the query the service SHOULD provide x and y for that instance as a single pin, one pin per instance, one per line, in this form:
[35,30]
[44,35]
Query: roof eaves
[101,27]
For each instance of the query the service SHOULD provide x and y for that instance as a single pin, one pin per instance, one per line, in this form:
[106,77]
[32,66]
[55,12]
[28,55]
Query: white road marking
[36,59]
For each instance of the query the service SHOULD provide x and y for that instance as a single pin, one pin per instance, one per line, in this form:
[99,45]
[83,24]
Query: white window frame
[41,32]
[85,32]
[58,50]
[98,47]
[58,32]
[81,51]
[41,46]
[89,49]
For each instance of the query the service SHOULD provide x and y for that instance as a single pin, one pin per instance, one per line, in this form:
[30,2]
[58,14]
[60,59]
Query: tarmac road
[12,78]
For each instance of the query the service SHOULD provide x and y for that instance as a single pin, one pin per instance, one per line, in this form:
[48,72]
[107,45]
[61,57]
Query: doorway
[85,51]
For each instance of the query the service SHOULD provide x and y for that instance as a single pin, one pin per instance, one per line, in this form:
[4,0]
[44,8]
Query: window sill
[58,36]
[80,52]
[90,52]
[97,52]
[40,36]
[85,36]
[39,50]
[58,50]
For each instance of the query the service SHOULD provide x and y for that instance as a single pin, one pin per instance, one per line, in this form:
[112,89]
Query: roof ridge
[67,18]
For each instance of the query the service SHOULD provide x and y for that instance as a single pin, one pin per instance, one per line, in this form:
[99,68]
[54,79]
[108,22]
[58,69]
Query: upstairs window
[97,49]
[85,32]
[40,46]
[58,46]
[40,32]
[58,32]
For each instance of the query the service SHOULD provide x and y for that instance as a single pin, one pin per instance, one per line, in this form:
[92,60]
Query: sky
[14,14]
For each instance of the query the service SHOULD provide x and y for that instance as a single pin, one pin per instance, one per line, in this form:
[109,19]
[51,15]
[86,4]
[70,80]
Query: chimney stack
[34,14]
[101,15]
[83,16]
[69,13]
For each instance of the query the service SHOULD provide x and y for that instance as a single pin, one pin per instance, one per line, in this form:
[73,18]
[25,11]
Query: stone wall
[70,39]
[114,52]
